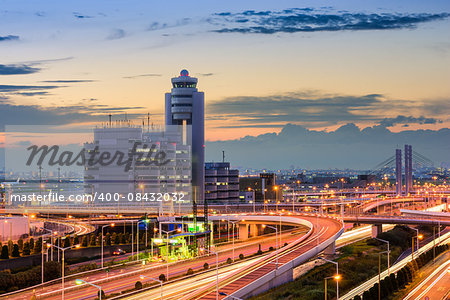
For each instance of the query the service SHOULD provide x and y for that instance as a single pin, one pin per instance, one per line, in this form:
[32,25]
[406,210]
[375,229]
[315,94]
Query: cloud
[316,109]
[8,38]
[142,75]
[68,81]
[31,94]
[81,16]
[389,122]
[37,115]
[17,69]
[18,88]
[205,74]
[312,20]
[347,147]
[116,34]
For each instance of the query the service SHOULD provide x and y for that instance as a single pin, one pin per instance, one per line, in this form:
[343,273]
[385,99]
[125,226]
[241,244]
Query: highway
[445,238]
[437,284]
[119,279]
[243,277]
[182,287]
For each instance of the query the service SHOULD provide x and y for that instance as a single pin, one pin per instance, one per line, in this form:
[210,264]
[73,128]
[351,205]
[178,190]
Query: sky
[318,65]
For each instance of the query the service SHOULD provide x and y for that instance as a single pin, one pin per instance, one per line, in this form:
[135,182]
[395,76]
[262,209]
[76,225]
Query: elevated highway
[277,268]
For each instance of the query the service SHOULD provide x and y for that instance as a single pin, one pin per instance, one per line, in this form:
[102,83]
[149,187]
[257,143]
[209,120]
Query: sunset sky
[261,64]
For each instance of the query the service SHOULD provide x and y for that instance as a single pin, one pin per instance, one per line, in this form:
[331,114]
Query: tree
[15,252]
[93,240]
[190,271]
[5,252]
[20,243]
[138,285]
[76,240]
[10,247]
[162,277]
[117,238]
[108,239]
[357,297]
[84,241]
[206,266]
[241,256]
[394,282]
[38,246]
[31,242]
[67,242]
[26,249]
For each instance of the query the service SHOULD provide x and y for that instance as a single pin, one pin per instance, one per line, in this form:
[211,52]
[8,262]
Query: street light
[337,276]
[233,222]
[80,281]
[388,252]
[43,242]
[160,282]
[109,225]
[167,253]
[276,235]
[217,270]
[379,273]
[62,262]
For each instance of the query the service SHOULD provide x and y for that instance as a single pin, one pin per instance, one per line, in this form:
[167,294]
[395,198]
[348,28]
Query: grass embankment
[358,262]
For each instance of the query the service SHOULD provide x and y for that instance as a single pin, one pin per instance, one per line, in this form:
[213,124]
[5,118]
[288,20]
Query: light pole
[167,252]
[388,252]
[379,273]
[109,225]
[80,281]
[276,235]
[233,222]
[62,263]
[157,280]
[337,276]
[217,270]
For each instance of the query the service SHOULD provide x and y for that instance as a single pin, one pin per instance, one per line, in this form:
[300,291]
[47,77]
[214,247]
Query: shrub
[138,285]
[229,260]
[5,252]
[190,271]
[162,277]
[270,248]
[103,295]
[15,252]
[26,249]
[205,266]
[241,256]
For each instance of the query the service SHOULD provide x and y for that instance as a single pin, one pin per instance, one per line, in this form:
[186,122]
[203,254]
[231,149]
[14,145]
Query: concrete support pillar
[330,250]
[376,230]
[253,230]
[243,231]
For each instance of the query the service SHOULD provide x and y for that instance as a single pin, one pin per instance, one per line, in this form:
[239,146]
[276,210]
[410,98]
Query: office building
[221,183]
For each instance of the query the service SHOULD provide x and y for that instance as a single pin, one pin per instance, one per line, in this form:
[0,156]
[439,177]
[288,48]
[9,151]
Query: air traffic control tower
[185,106]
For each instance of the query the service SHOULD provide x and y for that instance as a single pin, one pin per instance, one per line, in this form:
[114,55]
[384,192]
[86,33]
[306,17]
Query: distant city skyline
[262,65]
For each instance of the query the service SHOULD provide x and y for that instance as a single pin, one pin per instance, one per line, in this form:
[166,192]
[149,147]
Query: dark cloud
[8,38]
[37,115]
[311,20]
[142,75]
[116,34]
[17,69]
[18,88]
[346,147]
[81,16]
[68,81]
[389,122]
[317,110]
[31,94]
[205,74]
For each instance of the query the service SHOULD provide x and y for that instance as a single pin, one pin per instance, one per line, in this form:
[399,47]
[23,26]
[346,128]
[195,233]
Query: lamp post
[388,252]
[337,276]
[167,252]
[109,225]
[62,263]
[137,240]
[276,234]
[157,280]
[276,196]
[80,281]
[233,222]
[379,273]
[217,270]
